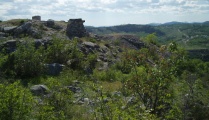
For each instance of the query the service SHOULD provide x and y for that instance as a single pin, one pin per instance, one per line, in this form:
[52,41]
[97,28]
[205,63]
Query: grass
[111,86]
[13,22]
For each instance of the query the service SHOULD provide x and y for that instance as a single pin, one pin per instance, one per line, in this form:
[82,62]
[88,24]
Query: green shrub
[25,62]
[16,102]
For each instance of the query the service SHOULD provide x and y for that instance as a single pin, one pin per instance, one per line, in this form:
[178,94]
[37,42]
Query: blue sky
[108,12]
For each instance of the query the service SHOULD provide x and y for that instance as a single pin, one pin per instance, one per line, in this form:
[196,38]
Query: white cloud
[65,9]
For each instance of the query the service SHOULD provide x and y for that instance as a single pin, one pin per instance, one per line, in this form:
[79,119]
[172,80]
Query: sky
[108,12]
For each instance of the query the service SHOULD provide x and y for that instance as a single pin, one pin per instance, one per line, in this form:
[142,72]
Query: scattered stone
[54,69]
[83,101]
[36,18]
[75,28]
[76,82]
[131,100]
[90,45]
[86,101]
[39,89]
[74,89]
[117,93]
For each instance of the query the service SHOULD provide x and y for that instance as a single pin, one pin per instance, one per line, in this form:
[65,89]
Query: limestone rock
[90,44]
[9,29]
[74,89]
[25,28]
[39,89]
[9,46]
[54,69]
[75,28]
[36,18]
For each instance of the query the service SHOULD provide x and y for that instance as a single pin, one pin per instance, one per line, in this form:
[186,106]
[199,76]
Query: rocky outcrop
[54,69]
[9,29]
[9,46]
[132,42]
[75,28]
[23,29]
[36,18]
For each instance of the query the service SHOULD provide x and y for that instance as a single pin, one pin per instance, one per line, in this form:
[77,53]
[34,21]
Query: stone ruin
[75,28]
[36,18]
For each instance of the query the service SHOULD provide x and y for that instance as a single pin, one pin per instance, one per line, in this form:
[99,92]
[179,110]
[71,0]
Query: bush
[16,102]
[25,62]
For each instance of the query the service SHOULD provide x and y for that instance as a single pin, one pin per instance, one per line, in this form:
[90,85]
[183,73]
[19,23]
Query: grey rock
[2,34]
[36,18]
[131,100]
[50,23]
[83,101]
[117,93]
[89,44]
[75,28]
[38,43]
[25,28]
[39,89]
[9,29]
[41,42]
[35,33]
[54,69]
[10,46]
[74,89]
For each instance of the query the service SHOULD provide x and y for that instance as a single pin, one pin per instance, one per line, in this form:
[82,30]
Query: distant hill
[174,23]
[188,35]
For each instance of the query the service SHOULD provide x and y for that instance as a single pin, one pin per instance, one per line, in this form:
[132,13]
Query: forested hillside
[189,35]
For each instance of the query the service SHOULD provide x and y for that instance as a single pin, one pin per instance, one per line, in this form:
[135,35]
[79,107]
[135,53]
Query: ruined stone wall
[75,28]
[38,18]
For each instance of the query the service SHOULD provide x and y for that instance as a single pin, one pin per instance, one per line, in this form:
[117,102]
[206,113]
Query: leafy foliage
[16,102]
[155,82]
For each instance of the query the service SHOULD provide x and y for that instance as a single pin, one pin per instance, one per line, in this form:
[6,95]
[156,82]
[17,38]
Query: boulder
[9,29]
[23,29]
[35,33]
[41,42]
[89,44]
[9,46]
[39,89]
[75,28]
[54,69]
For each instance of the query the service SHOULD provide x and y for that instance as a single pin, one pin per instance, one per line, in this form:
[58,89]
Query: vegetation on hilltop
[102,79]
[150,83]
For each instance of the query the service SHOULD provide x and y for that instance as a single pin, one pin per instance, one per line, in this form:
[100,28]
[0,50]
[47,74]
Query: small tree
[15,102]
